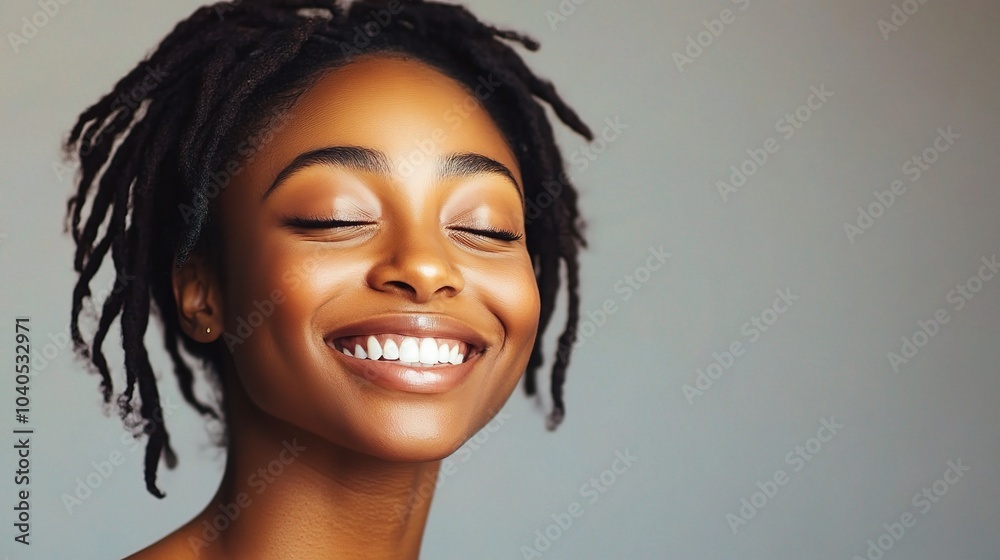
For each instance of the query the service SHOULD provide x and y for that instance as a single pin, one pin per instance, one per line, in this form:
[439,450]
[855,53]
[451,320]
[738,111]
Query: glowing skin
[409,260]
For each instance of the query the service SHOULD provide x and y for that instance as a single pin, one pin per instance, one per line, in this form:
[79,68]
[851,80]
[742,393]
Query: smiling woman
[333,223]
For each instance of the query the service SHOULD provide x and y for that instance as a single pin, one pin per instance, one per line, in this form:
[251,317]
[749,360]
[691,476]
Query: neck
[289,494]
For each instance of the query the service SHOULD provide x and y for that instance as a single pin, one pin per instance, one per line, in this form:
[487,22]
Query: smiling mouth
[404,350]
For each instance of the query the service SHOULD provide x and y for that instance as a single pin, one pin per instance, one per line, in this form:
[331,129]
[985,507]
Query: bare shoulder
[179,545]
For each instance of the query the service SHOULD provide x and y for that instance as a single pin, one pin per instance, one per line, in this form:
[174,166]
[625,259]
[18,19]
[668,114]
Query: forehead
[401,106]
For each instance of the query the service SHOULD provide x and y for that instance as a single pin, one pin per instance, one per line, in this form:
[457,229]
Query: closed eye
[492,233]
[322,223]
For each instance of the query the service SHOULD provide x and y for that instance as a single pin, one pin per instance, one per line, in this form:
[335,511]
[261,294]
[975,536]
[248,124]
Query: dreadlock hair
[151,151]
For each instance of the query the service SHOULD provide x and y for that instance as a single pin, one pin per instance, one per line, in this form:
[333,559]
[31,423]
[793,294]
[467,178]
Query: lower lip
[411,379]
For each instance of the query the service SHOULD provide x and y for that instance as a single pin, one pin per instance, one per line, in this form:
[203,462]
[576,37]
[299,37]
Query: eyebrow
[468,164]
[352,157]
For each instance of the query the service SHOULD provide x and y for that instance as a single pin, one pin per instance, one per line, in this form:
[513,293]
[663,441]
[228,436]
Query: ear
[199,298]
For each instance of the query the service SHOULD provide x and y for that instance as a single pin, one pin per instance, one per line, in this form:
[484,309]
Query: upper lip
[417,325]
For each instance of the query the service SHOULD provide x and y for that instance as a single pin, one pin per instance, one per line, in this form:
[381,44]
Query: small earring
[208,330]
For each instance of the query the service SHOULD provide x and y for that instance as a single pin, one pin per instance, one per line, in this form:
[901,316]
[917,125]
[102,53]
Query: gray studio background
[822,362]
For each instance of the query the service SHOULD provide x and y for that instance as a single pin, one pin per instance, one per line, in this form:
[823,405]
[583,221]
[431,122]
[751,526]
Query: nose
[417,266]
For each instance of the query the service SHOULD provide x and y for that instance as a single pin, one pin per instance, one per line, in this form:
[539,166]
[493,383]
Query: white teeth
[390,351]
[409,351]
[428,351]
[374,349]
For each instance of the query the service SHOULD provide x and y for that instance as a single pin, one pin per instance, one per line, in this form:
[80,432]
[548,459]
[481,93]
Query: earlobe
[197,295]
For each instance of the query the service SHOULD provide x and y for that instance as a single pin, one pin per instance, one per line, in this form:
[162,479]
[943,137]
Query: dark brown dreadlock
[157,142]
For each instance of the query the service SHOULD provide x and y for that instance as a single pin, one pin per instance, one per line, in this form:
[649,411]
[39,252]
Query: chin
[394,412]
[409,433]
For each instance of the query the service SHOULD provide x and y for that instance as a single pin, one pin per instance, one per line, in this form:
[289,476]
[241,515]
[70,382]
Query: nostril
[412,291]
[399,284]
[416,278]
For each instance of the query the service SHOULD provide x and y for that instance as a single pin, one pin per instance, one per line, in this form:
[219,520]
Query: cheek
[274,291]
[299,279]
[311,280]
[511,293]
[262,274]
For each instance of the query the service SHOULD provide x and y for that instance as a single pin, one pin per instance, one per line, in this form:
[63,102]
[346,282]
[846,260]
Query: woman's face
[368,218]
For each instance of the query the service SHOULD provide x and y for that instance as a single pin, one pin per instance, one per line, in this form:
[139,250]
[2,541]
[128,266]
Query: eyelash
[319,223]
[493,233]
